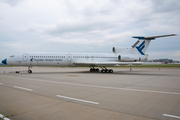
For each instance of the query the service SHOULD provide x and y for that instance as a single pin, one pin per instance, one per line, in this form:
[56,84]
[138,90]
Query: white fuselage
[64,59]
[58,59]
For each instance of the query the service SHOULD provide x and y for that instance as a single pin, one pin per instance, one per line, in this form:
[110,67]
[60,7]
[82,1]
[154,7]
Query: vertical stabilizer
[141,46]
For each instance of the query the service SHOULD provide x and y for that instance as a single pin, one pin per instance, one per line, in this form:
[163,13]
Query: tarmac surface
[54,93]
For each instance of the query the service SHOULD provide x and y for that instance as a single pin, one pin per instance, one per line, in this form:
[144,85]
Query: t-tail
[138,51]
[142,44]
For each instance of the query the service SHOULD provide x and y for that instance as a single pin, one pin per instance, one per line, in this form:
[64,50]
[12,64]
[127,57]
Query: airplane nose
[4,61]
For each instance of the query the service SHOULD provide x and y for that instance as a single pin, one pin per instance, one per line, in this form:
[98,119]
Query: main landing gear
[94,70]
[29,71]
[104,70]
[107,71]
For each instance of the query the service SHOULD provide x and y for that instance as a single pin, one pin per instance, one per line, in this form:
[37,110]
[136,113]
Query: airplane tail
[139,47]
[142,44]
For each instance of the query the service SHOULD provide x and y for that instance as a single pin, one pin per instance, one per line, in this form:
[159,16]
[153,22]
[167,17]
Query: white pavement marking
[1,83]
[77,99]
[171,116]
[23,88]
[3,117]
[105,87]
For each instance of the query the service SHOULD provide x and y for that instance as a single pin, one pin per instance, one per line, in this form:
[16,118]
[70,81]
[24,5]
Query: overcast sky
[92,26]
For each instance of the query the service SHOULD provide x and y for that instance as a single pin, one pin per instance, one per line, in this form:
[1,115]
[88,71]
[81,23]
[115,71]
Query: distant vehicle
[121,56]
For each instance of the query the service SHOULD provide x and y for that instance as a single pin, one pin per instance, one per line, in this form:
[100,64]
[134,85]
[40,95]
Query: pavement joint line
[95,86]
[77,99]
[167,115]
[23,88]
[3,117]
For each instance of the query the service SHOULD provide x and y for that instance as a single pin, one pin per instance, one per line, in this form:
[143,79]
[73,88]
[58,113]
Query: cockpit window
[12,56]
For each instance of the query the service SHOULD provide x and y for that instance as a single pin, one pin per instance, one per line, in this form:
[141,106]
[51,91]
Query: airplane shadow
[146,73]
[129,73]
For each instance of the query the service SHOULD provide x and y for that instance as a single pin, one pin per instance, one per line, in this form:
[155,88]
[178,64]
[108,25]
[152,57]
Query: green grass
[152,65]
[6,66]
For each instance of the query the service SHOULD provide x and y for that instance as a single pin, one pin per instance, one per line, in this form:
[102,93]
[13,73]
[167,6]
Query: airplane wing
[106,63]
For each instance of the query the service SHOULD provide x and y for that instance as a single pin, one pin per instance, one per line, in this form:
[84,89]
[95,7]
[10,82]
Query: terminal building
[164,61]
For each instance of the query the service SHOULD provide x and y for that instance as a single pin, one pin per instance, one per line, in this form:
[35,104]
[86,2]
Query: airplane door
[19,58]
[25,56]
[69,58]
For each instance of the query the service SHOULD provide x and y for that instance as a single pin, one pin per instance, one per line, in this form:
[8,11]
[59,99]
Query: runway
[53,93]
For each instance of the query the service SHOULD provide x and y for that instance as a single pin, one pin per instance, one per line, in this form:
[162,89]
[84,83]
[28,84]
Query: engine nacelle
[114,50]
[131,58]
[128,58]
[121,50]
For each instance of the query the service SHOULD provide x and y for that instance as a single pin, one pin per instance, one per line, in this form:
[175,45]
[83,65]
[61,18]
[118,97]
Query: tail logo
[141,47]
[31,59]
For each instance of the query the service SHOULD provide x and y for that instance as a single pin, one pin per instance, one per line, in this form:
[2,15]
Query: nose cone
[4,61]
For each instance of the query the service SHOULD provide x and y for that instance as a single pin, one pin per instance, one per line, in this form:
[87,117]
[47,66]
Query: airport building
[164,61]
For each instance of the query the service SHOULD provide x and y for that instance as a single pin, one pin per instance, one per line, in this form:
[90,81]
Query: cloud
[87,25]
[11,2]
[91,26]
[165,6]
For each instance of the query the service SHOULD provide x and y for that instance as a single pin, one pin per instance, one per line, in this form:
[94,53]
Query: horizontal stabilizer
[153,37]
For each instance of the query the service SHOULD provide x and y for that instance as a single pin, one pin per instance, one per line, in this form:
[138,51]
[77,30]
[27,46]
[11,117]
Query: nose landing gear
[29,71]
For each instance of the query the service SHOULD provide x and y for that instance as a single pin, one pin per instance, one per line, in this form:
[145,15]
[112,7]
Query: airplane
[134,55]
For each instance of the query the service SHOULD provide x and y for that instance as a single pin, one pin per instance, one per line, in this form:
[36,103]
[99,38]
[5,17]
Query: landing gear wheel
[97,70]
[111,71]
[106,70]
[29,71]
[103,71]
[94,70]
